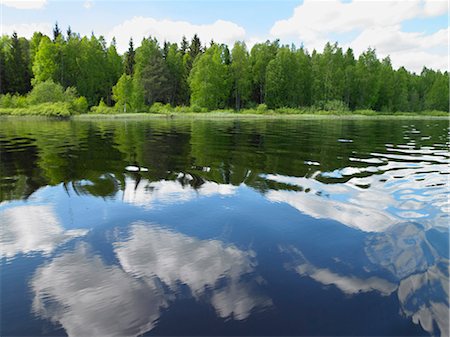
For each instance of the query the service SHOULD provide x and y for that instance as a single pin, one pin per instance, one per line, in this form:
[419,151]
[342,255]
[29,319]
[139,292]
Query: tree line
[215,77]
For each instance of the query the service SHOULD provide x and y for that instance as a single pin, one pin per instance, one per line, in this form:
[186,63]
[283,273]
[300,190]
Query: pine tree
[195,48]
[130,59]
[56,32]
[184,45]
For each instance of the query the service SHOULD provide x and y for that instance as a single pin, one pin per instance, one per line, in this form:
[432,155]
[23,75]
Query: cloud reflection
[348,284]
[27,229]
[175,258]
[146,193]
[90,298]
[422,274]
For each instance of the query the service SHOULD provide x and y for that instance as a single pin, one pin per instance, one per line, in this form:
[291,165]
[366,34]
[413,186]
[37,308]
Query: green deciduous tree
[240,74]
[283,80]
[210,79]
[437,98]
[123,93]
[260,56]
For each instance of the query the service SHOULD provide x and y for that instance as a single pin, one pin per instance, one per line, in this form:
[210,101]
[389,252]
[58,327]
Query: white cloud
[88,4]
[24,4]
[139,27]
[27,29]
[378,24]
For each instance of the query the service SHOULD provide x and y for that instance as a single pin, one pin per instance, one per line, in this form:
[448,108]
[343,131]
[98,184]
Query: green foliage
[102,108]
[262,108]
[197,108]
[47,91]
[56,109]
[13,101]
[332,105]
[129,59]
[45,66]
[159,107]
[45,99]
[284,78]
[240,74]
[79,105]
[123,93]
[437,98]
[260,56]
[210,79]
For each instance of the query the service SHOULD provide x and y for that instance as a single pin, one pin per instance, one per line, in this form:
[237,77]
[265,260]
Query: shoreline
[222,115]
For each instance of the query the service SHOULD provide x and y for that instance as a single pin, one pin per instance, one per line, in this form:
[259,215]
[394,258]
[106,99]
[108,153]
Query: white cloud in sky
[378,24]
[27,29]
[369,23]
[24,4]
[88,4]
[139,27]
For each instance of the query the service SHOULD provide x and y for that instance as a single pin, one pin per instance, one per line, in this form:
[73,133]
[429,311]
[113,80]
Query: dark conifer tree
[56,31]
[130,59]
[17,70]
[69,32]
[184,45]
[196,47]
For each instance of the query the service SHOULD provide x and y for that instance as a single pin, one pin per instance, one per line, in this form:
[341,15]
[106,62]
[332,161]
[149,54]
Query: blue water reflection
[180,233]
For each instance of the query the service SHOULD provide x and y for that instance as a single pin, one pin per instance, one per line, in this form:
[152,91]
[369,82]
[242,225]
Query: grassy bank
[52,111]
[228,115]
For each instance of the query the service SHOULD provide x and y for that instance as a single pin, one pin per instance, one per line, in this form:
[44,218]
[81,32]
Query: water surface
[224,227]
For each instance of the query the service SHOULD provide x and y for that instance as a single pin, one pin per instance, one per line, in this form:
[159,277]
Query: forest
[69,74]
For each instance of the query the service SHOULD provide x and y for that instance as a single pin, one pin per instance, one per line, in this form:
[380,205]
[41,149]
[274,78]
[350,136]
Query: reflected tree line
[225,152]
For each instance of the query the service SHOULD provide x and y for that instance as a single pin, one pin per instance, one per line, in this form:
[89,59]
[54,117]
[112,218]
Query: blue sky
[413,32]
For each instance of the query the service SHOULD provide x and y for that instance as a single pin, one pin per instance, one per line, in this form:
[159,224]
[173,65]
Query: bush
[70,94]
[335,105]
[332,105]
[159,107]
[102,108]
[262,108]
[197,108]
[80,105]
[58,109]
[47,91]
[182,109]
[13,101]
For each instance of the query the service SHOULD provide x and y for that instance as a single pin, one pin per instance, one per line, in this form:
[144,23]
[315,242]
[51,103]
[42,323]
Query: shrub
[102,108]
[47,91]
[70,94]
[80,105]
[13,101]
[335,105]
[181,108]
[196,108]
[159,107]
[262,108]
[58,109]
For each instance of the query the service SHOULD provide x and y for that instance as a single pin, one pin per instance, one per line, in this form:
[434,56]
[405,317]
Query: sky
[414,33]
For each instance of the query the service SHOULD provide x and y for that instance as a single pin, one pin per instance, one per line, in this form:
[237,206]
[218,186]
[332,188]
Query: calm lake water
[224,227]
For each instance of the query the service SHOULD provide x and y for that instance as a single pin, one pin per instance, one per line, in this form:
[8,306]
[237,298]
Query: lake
[224,227]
